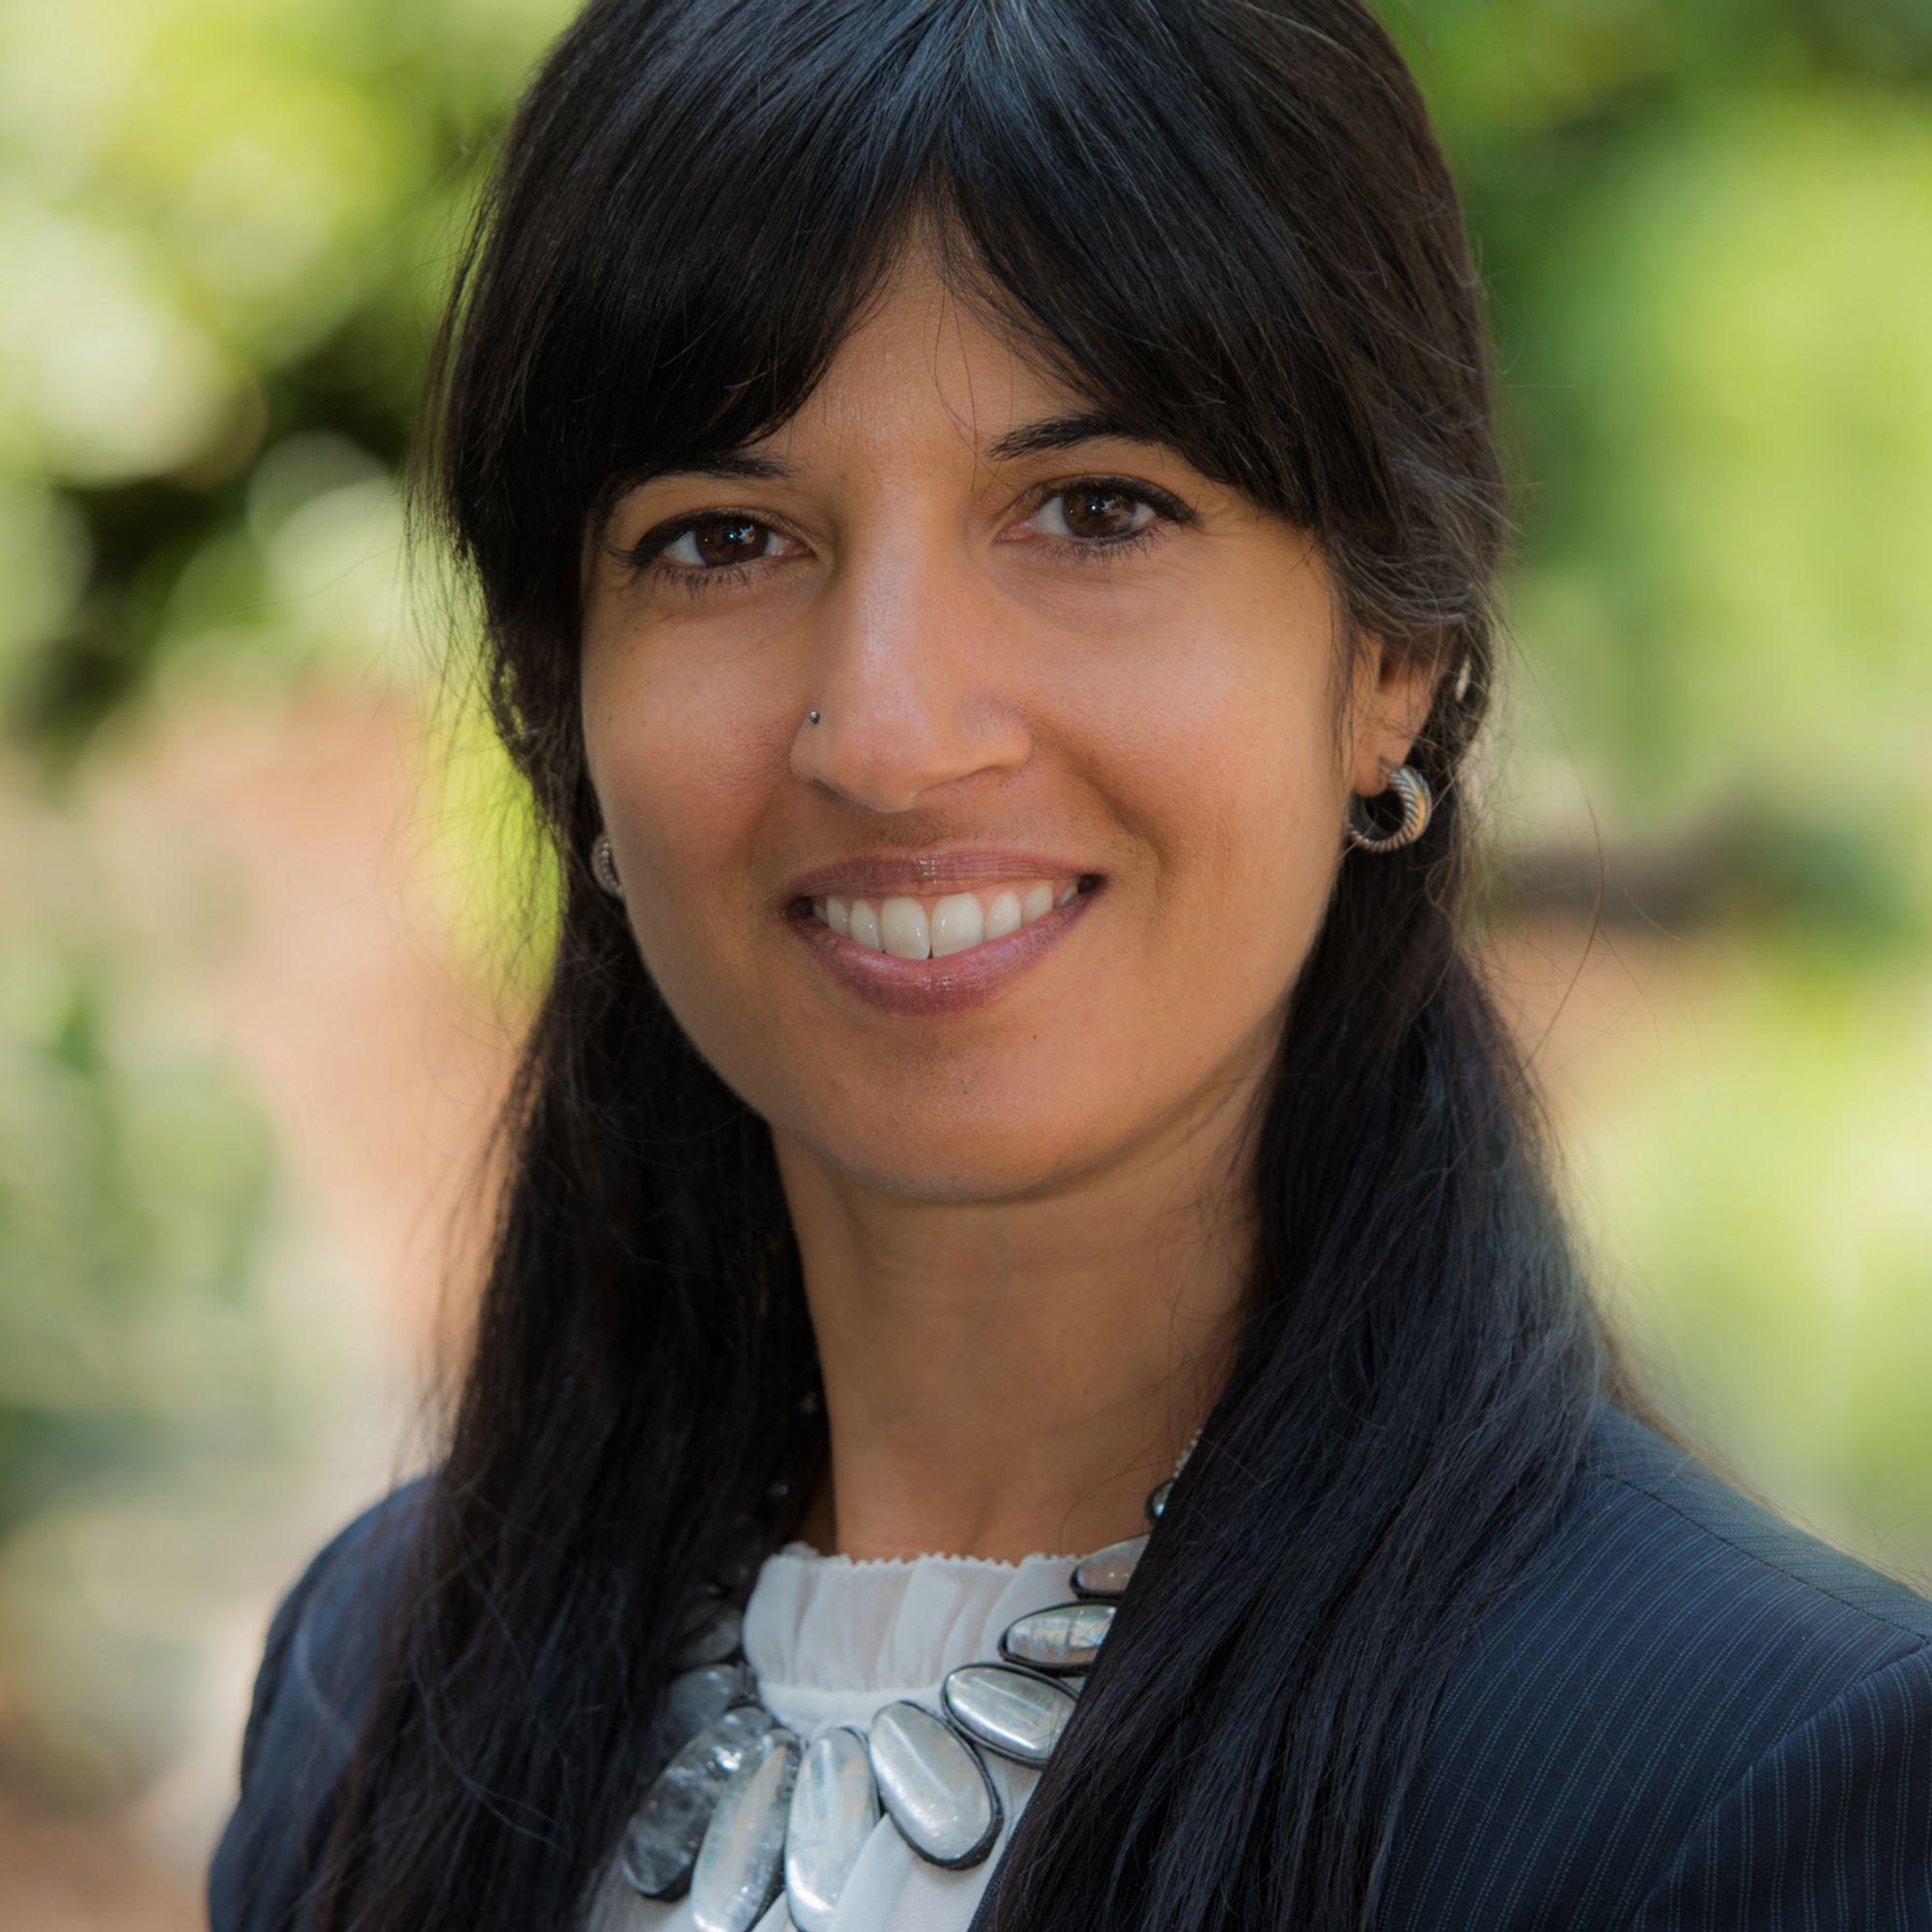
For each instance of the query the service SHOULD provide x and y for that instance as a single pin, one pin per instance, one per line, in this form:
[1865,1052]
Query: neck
[1005,1378]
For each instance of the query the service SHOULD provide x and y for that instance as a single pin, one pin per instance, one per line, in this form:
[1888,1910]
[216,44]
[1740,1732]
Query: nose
[907,676]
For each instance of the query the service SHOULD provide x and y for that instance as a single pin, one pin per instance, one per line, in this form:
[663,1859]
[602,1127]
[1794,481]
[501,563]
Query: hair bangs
[677,249]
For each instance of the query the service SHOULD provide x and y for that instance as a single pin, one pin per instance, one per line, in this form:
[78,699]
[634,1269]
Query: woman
[987,524]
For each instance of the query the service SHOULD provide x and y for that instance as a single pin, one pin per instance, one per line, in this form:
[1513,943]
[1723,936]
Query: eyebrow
[1066,431]
[1049,433]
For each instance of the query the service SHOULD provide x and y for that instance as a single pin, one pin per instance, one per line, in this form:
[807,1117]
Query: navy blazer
[1690,1716]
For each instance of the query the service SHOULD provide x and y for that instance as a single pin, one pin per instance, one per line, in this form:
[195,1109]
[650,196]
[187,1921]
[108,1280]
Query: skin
[1023,1227]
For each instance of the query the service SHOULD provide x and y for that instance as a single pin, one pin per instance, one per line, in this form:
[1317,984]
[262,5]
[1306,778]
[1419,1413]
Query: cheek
[656,730]
[1228,770]
[683,784]
[1230,779]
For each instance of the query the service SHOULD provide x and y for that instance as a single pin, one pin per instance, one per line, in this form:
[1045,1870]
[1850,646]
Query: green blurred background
[258,975]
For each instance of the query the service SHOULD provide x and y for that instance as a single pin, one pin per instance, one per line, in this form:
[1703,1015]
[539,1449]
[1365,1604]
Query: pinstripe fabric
[1688,1716]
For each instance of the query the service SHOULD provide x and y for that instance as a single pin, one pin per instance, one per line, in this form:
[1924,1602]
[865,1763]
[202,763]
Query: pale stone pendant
[834,1809]
[1016,1713]
[932,1784]
[1067,1636]
[741,1863]
[1107,1571]
[1157,1501]
[661,1843]
[698,1697]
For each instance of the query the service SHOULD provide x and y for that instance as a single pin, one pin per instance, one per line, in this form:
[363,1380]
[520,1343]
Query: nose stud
[813,716]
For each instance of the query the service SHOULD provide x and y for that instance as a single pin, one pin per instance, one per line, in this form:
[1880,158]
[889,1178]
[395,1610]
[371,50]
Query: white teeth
[1003,916]
[958,922]
[903,928]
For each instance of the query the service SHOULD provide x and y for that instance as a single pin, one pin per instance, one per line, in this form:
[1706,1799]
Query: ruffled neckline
[833,1637]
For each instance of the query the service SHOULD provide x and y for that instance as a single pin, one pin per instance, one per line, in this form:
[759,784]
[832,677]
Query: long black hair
[1229,223]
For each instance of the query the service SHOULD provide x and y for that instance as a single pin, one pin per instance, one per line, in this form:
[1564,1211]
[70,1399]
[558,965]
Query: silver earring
[603,867]
[1416,801]
[813,716]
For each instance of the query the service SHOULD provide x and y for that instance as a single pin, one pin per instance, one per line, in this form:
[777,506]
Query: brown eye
[719,542]
[1099,513]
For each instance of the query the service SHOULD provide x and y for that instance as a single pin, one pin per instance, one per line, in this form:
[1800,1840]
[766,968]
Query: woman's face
[1008,705]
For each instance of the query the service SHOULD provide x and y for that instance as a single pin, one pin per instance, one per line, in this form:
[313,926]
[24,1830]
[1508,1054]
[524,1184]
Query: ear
[1394,690]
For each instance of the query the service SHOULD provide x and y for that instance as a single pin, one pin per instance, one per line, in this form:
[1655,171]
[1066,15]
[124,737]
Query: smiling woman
[998,722]
[1032,1372]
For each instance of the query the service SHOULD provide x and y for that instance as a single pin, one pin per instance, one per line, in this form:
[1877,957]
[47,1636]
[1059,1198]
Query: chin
[992,1158]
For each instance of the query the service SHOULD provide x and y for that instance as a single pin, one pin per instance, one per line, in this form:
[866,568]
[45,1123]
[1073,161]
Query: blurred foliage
[1762,1197]
[156,1361]
[226,226]
[1730,556]
[134,1172]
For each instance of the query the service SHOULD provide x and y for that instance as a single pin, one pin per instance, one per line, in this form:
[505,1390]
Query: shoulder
[309,1693]
[1689,1713]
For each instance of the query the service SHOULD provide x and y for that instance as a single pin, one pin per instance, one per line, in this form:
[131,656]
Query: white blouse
[831,1638]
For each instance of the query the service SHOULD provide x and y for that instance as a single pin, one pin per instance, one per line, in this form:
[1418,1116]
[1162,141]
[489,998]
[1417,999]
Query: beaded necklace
[745,1810]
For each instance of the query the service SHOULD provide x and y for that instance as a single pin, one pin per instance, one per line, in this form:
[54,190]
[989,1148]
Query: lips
[912,874]
[950,984]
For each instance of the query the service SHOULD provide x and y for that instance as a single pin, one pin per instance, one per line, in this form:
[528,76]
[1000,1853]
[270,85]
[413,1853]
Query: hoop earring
[603,867]
[1416,803]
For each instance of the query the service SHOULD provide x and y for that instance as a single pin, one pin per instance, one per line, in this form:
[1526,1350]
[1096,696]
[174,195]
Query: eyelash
[641,555]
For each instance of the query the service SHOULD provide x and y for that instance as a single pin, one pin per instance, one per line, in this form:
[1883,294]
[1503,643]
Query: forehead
[921,367]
